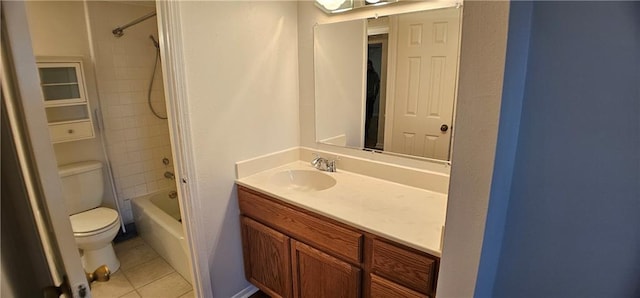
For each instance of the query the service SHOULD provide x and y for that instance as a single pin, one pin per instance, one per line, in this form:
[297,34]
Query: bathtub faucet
[169,175]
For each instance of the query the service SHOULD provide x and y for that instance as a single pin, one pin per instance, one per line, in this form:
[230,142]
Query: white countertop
[405,214]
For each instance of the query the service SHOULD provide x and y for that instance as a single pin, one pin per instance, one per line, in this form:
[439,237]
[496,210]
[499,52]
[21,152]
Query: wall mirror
[389,84]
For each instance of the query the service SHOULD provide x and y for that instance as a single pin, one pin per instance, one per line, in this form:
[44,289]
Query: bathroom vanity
[347,235]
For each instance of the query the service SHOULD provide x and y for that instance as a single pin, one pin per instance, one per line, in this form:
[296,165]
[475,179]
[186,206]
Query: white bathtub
[157,219]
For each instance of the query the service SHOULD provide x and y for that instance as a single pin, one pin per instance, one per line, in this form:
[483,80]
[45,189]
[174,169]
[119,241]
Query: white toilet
[94,227]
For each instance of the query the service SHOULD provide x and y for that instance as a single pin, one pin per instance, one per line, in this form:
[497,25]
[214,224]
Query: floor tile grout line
[180,295]
[127,293]
[157,255]
[142,286]
[115,245]
[151,248]
[137,265]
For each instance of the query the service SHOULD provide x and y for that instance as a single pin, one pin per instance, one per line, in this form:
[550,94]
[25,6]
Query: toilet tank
[82,185]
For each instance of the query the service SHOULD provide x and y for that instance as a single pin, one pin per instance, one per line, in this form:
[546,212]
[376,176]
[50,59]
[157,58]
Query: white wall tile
[136,140]
[141,190]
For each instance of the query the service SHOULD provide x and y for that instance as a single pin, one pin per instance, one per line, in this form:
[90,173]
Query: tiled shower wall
[137,141]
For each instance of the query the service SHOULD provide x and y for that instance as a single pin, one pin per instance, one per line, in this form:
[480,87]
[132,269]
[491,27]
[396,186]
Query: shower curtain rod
[119,31]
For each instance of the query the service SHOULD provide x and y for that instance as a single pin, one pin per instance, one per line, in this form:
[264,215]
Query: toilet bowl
[93,231]
[94,226]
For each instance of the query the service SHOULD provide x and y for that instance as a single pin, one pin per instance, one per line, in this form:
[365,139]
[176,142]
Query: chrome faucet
[324,164]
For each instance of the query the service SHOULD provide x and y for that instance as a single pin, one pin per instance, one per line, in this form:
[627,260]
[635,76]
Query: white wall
[137,141]
[58,28]
[482,60]
[240,62]
[340,57]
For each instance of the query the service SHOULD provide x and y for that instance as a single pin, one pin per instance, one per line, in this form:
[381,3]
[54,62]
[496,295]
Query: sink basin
[303,180]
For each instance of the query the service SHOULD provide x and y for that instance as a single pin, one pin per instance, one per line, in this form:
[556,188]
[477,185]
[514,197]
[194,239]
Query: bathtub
[157,219]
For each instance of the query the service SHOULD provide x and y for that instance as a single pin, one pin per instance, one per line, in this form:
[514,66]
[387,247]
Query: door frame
[392,61]
[383,40]
[175,89]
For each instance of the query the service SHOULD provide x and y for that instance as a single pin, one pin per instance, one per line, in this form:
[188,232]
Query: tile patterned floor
[143,273]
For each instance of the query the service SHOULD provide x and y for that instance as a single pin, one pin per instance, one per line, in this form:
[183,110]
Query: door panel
[24,103]
[23,256]
[426,73]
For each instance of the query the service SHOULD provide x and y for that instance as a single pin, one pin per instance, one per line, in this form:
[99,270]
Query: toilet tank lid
[78,167]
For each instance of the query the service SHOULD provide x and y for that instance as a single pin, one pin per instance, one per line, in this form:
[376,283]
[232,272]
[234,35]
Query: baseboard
[246,292]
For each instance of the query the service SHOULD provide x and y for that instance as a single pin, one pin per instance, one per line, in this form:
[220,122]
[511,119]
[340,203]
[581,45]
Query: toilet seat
[94,221]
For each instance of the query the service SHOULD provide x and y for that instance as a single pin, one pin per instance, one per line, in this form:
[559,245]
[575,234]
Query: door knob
[101,274]
[444,128]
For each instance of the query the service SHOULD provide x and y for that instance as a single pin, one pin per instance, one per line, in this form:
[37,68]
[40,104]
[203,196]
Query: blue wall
[572,225]
[508,129]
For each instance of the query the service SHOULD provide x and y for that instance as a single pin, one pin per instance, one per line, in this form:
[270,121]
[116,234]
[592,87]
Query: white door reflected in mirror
[389,84]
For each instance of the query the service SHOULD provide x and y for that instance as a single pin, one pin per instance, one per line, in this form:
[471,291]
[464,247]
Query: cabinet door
[62,82]
[267,259]
[316,274]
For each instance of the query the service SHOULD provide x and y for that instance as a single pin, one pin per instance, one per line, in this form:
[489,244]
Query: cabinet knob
[70,131]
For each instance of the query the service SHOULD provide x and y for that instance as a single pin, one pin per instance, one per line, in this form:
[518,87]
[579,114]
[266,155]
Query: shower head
[155,42]
[119,31]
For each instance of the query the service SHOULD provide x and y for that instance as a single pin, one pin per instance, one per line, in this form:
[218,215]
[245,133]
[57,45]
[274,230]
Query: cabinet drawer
[312,230]
[382,288]
[405,267]
[70,131]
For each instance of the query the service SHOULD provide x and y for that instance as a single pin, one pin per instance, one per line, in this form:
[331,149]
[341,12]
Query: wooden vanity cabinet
[292,252]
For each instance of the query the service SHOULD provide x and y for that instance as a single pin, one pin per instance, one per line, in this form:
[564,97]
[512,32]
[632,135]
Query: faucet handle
[316,159]
[331,165]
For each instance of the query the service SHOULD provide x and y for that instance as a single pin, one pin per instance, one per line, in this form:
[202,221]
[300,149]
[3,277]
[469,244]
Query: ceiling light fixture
[331,4]
[338,6]
[334,6]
